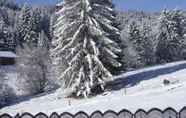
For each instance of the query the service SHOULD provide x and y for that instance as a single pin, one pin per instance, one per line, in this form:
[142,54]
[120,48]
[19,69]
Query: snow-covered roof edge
[8,54]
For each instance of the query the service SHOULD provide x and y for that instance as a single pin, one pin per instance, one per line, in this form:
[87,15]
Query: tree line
[83,46]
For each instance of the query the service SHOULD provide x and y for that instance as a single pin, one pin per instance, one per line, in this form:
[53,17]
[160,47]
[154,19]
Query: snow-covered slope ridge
[145,89]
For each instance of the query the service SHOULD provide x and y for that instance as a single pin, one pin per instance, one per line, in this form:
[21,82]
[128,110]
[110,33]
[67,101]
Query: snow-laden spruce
[86,40]
[29,25]
[23,25]
[171,42]
[139,51]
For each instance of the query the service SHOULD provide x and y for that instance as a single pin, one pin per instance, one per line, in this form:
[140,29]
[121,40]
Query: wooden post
[69,102]
[125,91]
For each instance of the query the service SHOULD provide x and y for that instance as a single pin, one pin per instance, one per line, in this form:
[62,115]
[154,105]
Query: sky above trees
[147,5]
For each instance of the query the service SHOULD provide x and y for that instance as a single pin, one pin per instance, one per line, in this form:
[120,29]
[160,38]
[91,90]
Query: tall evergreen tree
[140,47]
[147,46]
[171,36]
[136,39]
[36,19]
[9,3]
[7,41]
[43,40]
[87,40]
[26,27]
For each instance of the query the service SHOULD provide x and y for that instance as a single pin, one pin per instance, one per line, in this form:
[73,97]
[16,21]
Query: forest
[35,33]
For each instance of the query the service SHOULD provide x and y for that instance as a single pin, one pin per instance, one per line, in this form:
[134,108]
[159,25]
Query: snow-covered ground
[145,89]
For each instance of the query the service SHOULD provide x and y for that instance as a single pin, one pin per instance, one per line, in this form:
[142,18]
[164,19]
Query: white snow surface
[145,89]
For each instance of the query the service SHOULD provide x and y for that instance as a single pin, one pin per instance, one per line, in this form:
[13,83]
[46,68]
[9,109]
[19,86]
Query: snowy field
[145,89]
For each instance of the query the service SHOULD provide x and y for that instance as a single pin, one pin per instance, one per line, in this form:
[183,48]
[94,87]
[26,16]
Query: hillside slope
[144,89]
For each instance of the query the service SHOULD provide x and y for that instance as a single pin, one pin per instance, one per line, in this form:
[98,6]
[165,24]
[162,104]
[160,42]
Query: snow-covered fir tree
[140,50]
[43,40]
[7,41]
[24,24]
[136,39]
[53,18]
[3,35]
[171,36]
[28,26]
[87,40]
[36,20]
[9,4]
[147,46]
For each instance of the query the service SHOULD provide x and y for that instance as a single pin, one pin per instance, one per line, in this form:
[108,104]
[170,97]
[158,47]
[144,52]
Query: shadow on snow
[133,79]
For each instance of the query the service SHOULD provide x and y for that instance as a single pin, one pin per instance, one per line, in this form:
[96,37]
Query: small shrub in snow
[166,82]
